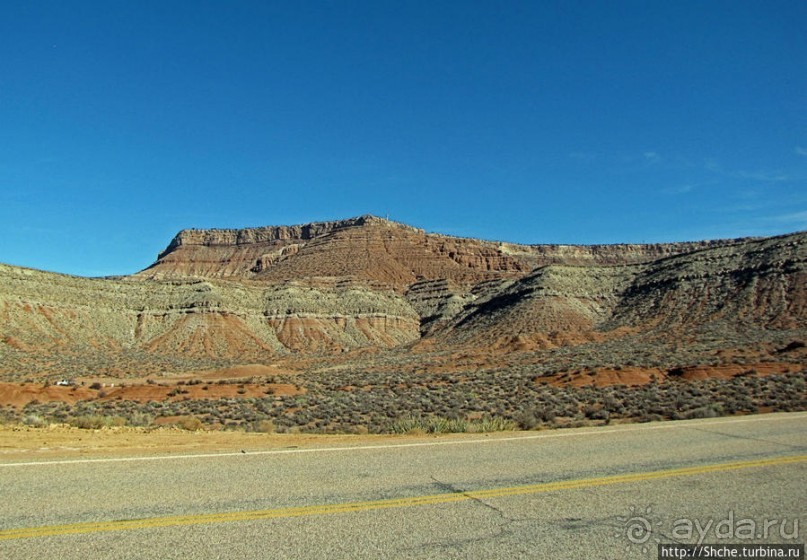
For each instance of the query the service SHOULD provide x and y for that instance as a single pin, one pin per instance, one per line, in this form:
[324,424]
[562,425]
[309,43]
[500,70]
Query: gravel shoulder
[22,443]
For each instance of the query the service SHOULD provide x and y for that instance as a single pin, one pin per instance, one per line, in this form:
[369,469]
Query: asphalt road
[583,493]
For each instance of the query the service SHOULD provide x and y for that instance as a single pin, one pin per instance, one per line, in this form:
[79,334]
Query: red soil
[633,376]
[20,394]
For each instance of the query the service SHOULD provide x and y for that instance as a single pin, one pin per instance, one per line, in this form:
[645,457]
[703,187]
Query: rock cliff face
[378,250]
[241,253]
[223,297]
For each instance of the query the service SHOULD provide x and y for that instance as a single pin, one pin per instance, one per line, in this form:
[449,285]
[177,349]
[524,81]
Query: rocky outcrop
[759,283]
[749,284]
[264,235]
[377,250]
[554,305]
[251,252]
[622,253]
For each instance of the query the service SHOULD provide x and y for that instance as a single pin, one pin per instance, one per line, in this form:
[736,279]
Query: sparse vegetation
[393,402]
[34,421]
[97,421]
[442,425]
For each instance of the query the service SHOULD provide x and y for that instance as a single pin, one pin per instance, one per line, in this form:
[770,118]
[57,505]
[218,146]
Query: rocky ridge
[378,250]
[327,290]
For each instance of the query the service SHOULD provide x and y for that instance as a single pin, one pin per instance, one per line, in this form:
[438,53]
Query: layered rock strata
[327,288]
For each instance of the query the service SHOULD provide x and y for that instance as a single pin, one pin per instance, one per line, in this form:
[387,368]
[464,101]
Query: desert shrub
[596,413]
[140,419]
[533,416]
[442,425]
[190,423]
[710,411]
[428,425]
[528,419]
[7,415]
[96,421]
[35,421]
[264,426]
[491,424]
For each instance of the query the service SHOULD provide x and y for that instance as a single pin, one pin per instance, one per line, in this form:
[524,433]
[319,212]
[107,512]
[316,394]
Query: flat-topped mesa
[376,250]
[247,253]
[270,234]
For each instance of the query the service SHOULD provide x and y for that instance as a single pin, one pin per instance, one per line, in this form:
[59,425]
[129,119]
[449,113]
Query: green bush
[443,425]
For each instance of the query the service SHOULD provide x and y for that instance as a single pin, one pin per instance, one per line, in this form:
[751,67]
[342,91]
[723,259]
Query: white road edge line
[668,425]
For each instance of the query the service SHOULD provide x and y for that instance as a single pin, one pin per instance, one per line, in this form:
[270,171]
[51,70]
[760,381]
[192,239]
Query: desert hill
[368,292]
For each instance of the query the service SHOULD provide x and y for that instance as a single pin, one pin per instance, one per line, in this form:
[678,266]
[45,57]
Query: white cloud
[587,157]
[712,165]
[777,223]
[682,189]
[651,158]
[685,188]
[765,176]
[798,218]
[762,176]
[633,158]
[801,151]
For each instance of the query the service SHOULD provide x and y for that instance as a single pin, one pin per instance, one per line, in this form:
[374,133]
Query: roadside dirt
[21,443]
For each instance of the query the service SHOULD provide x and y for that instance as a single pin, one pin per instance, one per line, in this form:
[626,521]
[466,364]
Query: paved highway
[585,494]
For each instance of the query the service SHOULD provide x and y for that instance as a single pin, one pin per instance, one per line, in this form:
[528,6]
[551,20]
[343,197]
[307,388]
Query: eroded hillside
[371,293]
[52,323]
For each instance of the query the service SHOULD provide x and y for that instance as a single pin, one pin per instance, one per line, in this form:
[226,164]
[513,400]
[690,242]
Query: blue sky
[534,122]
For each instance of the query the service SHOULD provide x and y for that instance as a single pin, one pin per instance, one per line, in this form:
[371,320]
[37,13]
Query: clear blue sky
[535,122]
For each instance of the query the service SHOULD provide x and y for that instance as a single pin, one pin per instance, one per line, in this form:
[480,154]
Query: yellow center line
[330,509]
